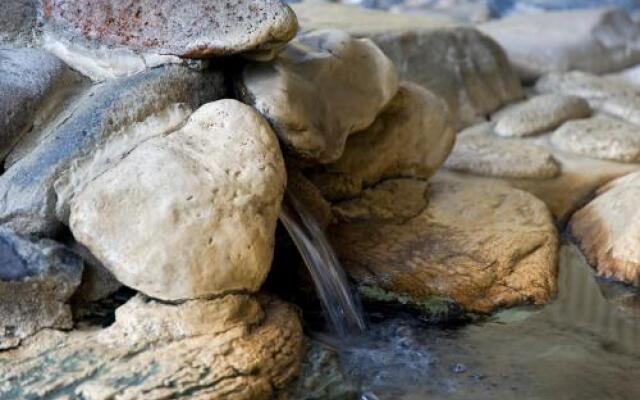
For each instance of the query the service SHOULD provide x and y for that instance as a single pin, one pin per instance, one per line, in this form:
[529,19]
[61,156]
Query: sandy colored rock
[323,87]
[233,347]
[309,195]
[197,28]
[508,158]
[483,246]
[598,41]
[458,63]
[541,114]
[601,137]
[191,213]
[607,230]
[412,137]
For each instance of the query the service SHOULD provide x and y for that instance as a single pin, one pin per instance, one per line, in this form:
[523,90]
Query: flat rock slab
[411,137]
[191,29]
[190,213]
[607,230]
[323,87]
[459,64]
[17,23]
[483,246]
[508,158]
[234,347]
[37,278]
[600,137]
[598,41]
[540,114]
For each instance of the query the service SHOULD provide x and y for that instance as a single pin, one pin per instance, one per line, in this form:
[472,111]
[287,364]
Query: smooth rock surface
[191,213]
[507,158]
[607,230]
[600,137]
[324,86]
[29,78]
[540,114]
[105,123]
[192,29]
[458,63]
[483,246]
[598,41]
[233,347]
[412,137]
[17,23]
[37,277]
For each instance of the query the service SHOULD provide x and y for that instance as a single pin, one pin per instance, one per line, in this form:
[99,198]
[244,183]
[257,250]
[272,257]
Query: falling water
[330,280]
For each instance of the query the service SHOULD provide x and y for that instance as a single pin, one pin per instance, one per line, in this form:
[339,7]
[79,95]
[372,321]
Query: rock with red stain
[191,29]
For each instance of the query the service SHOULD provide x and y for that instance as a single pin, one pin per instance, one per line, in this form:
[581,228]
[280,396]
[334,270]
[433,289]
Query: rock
[17,23]
[97,282]
[29,79]
[597,41]
[601,137]
[508,158]
[607,231]
[309,195]
[502,8]
[191,213]
[412,137]
[198,28]
[37,277]
[231,347]
[105,123]
[457,63]
[483,246]
[323,87]
[541,114]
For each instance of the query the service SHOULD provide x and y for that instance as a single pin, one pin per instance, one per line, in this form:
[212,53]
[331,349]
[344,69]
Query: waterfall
[331,283]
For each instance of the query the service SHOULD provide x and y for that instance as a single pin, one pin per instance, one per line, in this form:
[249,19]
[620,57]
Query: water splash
[331,283]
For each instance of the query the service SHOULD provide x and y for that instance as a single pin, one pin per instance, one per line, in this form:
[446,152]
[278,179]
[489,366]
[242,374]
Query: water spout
[331,283]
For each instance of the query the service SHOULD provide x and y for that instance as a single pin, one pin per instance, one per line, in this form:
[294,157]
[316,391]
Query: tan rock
[232,347]
[508,158]
[191,213]
[324,86]
[607,231]
[484,246]
[411,137]
[541,114]
[601,137]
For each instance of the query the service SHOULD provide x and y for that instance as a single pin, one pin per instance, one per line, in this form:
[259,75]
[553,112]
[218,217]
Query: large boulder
[17,23]
[37,278]
[324,86]
[193,28]
[598,41]
[101,126]
[234,347]
[412,137]
[191,213]
[466,68]
[482,246]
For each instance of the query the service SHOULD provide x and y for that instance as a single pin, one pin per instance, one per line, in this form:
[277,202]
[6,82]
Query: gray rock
[30,203]
[28,79]
[37,277]
[17,23]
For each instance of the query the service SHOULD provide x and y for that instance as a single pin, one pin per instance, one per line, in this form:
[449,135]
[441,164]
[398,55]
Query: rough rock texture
[309,195]
[323,87]
[191,213]
[509,158]
[541,114]
[37,277]
[412,136]
[232,347]
[29,78]
[17,23]
[97,282]
[193,28]
[107,115]
[601,137]
[607,230]
[598,41]
[461,65]
[484,246]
